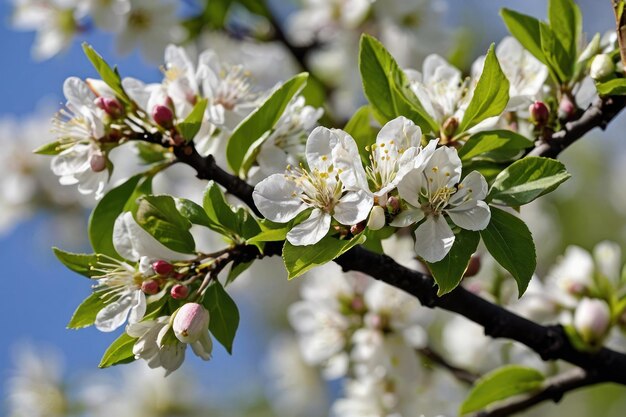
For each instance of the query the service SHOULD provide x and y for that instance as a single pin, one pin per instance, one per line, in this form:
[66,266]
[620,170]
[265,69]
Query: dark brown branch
[554,390]
[599,114]
[461,374]
[620,27]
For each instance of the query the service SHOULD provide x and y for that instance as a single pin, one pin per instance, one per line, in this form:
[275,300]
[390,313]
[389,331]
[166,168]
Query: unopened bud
[539,113]
[162,267]
[450,126]
[163,116]
[473,267]
[602,67]
[355,229]
[111,106]
[567,109]
[393,205]
[150,287]
[376,220]
[97,162]
[191,322]
[179,292]
[592,319]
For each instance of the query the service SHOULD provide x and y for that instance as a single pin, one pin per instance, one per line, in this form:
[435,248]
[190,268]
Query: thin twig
[461,374]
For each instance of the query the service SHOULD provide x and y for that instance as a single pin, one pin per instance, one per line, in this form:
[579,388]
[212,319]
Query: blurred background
[39,295]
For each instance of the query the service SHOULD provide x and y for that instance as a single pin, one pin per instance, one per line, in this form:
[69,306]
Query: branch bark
[461,374]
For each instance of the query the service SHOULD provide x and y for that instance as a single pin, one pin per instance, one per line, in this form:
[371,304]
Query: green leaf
[489,169]
[52,148]
[150,153]
[104,214]
[526,30]
[501,384]
[80,263]
[85,314]
[108,75]
[252,131]
[360,128]
[615,87]
[194,213]
[558,63]
[219,212]
[120,351]
[191,125]
[224,314]
[387,87]
[566,23]
[495,145]
[491,94]
[272,235]
[158,215]
[526,179]
[299,259]
[236,269]
[509,241]
[449,271]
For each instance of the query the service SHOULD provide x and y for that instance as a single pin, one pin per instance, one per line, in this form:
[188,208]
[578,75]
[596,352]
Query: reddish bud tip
[179,292]
[162,267]
[163,116]
[150,287]
[473,267]
[355,229]
[111,106]
[567,109]
[539,113]
[393,205]
[97,162]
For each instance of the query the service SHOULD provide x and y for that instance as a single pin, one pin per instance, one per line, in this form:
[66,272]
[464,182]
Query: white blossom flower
[56,23]
[108,14]
[572,276]
[286,143]
[151,24]
[592,319]
[335,186]
[525,73]
[35,388]
[433,190]
[79,130]
[156,344]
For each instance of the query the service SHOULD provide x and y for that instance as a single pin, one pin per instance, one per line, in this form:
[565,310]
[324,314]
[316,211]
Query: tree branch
[599,114]
[461,374]
[620,27]
[553,390]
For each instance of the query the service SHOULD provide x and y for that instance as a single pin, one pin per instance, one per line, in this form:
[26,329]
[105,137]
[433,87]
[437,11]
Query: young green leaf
[233,224]
[85,314]
[104,214]
[158,215]
[108,75]
[615,87]
[491,94]
[449,271]
[501,384]
[120,351]
[360,128]
[526,179]
[566,23]
[80,263]
[52,148]
[194,213]
[494,145]
[509,241]
[299,259]
[387,87]
[236,269]
[526,30]
[224,314]
[252,131]
[559,64]
[191,125]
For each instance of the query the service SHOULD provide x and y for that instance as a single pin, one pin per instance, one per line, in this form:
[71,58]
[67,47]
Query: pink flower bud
[567,109]
[355,229]
[97,162]
[179,292]
[592,319]
[111,106]
[191,322]
[150,287]
[393,205]
[163,116]
[473,267]
[162,268]
[539,113]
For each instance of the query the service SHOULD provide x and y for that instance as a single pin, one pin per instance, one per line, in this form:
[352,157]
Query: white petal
[471,216]
[474,187]
[114,315]
[172,356]
[203,346]
[319,147]
[277,198]
[408,217]
[402,132]
[411,186]
[138,308]
[310,231]
[353,207]
[433,239]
